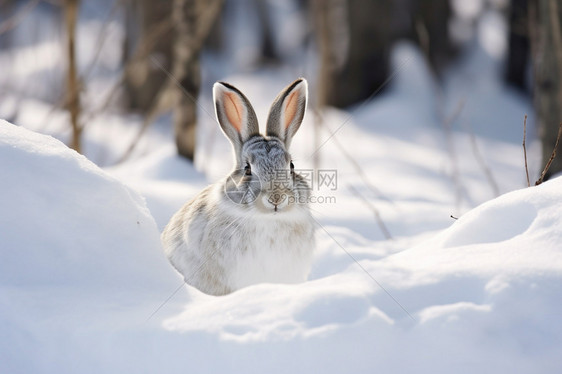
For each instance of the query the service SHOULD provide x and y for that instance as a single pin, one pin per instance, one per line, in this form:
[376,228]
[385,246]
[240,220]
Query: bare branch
[378,218]
[154,35]
[147,121]
[447,125]
[480,159]
[525,149]
[190,36]
[360,170]
[102,38]
[552,156]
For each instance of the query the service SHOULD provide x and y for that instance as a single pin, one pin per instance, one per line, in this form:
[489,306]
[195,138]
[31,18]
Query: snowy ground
[85,287]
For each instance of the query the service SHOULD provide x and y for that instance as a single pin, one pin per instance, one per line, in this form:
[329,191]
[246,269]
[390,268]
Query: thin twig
[102,37]
[448,121]
[525,149]
[360,170]
[480,159]
[552,156]
[440,110]
[141,53]
[154,35]
[447,126]
[376,212]
[146,122]
[67,95]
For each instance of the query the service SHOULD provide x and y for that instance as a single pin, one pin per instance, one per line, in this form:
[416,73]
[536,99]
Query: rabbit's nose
[276,200]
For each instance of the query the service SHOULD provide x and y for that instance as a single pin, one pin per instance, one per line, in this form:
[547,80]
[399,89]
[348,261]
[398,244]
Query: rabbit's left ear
[235,114]
[287,111]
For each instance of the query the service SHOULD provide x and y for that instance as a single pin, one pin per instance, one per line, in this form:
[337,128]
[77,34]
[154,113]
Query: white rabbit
[254,226]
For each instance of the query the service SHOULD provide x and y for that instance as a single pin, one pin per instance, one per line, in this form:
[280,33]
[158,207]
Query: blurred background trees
[545,24]
[164,71]
[342,46]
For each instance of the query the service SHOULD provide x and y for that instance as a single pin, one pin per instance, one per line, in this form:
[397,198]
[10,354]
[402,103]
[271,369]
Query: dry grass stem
[525,149]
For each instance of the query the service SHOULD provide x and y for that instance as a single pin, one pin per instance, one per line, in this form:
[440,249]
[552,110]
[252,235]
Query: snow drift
[82,272]
[80,256]
[483,296]
[64,220]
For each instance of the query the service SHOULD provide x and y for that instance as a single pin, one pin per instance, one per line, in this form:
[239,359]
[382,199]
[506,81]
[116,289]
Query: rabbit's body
[219,252]
[241,231]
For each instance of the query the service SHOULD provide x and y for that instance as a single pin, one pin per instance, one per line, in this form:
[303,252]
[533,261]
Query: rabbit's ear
[287,111]
[235,114]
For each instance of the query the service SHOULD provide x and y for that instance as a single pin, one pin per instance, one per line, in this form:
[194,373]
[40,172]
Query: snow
[86,288]
[80,255]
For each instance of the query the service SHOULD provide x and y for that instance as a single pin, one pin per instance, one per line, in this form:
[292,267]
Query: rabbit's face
[265,179]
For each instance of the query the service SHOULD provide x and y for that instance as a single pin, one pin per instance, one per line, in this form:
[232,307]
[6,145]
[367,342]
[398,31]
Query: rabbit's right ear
[235,114]
[287,111]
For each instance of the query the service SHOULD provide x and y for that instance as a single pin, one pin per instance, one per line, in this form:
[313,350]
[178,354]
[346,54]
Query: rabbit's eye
[247,169]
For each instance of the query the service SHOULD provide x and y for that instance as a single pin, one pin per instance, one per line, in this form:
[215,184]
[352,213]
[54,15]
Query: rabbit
[255,225]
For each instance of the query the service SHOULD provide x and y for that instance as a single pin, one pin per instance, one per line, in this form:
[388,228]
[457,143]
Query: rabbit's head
[264,178]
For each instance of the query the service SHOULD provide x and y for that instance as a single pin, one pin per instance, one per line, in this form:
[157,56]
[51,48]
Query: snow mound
[516,234]
[80,257]
[67,220]
[484,289]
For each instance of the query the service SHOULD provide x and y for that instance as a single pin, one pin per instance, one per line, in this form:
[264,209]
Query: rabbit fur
[254,226]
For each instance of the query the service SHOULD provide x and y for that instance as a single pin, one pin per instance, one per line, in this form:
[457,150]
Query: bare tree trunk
[72,82]
[546,20]
[146,20]
[354,39]
[268,50]
[332,35]
[193,20]
[431,21]
[187,70]
[518,52]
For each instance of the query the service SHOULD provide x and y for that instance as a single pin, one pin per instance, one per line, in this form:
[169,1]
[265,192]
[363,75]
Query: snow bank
[80,257]
[64,218]
[513,237]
